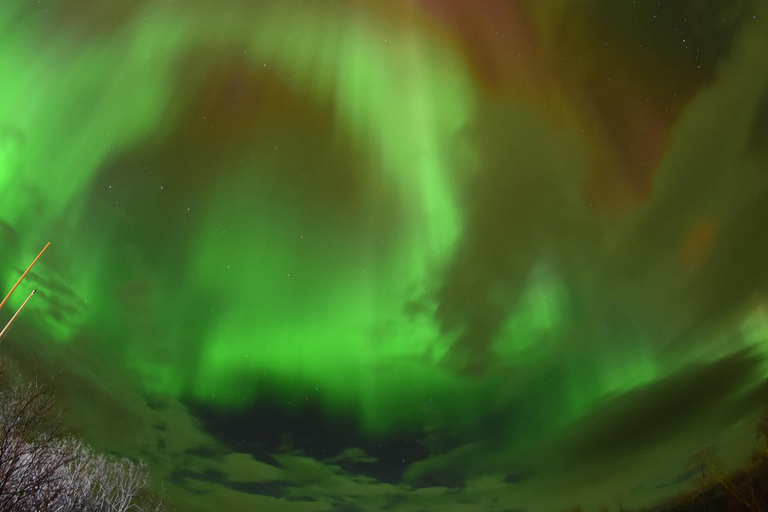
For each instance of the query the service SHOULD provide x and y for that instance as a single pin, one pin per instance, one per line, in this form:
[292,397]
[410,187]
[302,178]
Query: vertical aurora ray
[402,125]
[401,116]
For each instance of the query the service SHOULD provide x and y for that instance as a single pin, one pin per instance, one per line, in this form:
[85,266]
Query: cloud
[665,409]
[522,207]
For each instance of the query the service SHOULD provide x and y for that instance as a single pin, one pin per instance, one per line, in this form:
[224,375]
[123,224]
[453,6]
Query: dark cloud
[272,489]
[651,414]
[353,455]
[449,470]
[735,270]
[346,507]
[310,430]
[62,304]
[524,206]
[207,452]
[682,477]
[751,401]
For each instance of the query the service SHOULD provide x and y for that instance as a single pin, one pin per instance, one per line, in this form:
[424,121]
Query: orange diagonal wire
[13,318]
[24,274]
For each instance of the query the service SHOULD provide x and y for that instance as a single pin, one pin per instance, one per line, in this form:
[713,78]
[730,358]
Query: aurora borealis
[393,255]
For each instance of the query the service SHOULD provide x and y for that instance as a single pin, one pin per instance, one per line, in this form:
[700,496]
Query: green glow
[400,97]
[261,278]
[754,332]
[532,331]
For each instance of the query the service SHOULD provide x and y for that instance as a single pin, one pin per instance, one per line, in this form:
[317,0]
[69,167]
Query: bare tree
[29,452]
[43,470]
[739,485]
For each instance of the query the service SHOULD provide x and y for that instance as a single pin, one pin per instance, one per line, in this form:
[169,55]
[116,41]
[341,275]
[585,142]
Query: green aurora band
[302,312]
[297,244]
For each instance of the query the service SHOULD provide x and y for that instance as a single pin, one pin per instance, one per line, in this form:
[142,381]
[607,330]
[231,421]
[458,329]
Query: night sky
[401,255]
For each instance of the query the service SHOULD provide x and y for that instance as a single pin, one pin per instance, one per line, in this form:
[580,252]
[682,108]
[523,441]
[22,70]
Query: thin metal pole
[10,322]
[24,275]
